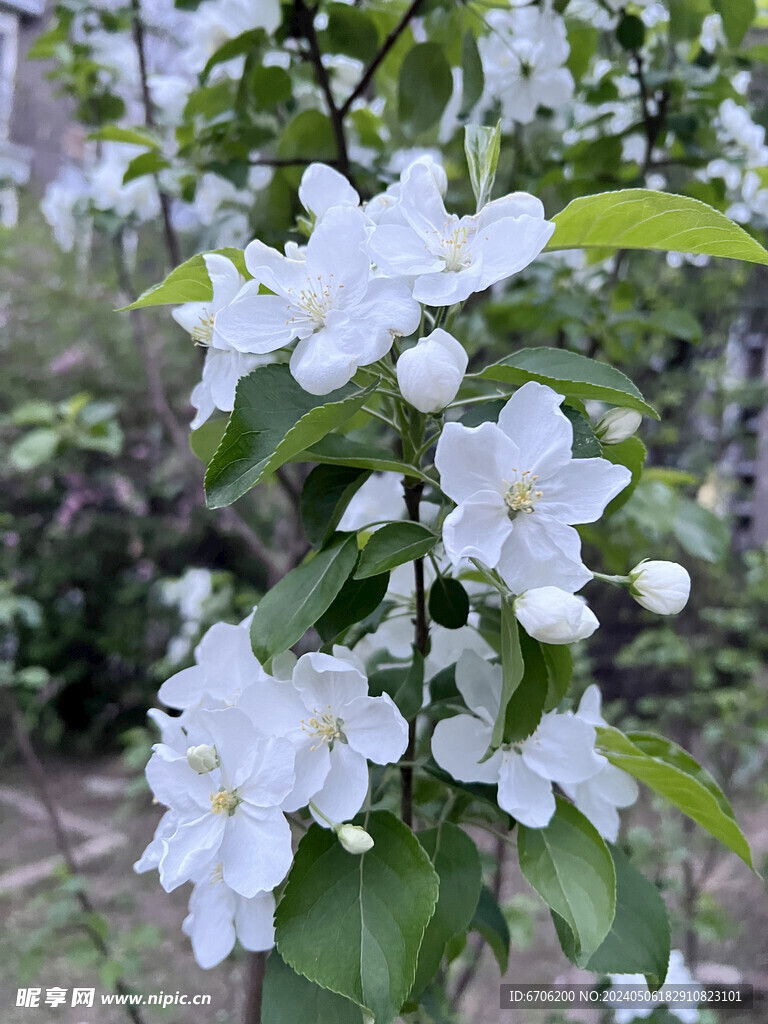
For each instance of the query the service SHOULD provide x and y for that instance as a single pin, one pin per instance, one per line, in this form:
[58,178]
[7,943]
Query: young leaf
[637,218]
[473,79]
[571,868]
[482,147]
[448,603]
[570,374]
[354,924]
[672,773]
[289,999]
[393,545]
[336,450]
[294,604]
[639,939]
[511,666]
[354,602]
[189,282]
[326,493]
[630,453]
[273,420]
[425,86]
[490,922]
[455,859]
[526,705]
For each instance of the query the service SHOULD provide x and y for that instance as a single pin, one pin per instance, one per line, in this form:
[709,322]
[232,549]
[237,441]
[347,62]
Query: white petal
[523,793]
[339,246]
[254,921]
[515,204]
[614,786]
[375,728]
[508,246]
[323,681]
[562,749]
[579,491]
[225,278]
[471,459]
[323,187]
[479,683]
[322,363]
[602,814]
[256,850]
[400,251]
[478,528]
[225,654]
[542,552]
[312,765]
[184,689]
[459,743]
[175,784]
[232,733]
[257,323]
[448,286]
[543,434]
[201,400]
[590,706]
[273,775]
[191,314]
[210,925]
[345,788]
[190,850]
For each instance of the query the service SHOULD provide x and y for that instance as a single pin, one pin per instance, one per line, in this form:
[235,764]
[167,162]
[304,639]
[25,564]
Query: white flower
[560,750]
[218,915]
[523,58]
[451,257]
[224,365]
[138,200]
[215,22]
[341,317]
[354,839]
[677,974]
[335,728]
[385,208]
[322,188]
[661,587]
[599,796]
[554,616]
[519,492]
[380,498]
[225,667]
[430,373]
[231,814]
[617,425]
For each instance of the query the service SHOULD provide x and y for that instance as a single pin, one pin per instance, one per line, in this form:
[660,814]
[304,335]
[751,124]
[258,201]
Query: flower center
[522,494]
[224,802]
[325,727]
[315,300]
[454,248]
[202,332]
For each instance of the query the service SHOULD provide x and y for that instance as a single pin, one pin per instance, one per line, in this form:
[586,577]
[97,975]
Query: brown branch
[40,782]
[413,493]
[373,67]
[291,161]
[257,966]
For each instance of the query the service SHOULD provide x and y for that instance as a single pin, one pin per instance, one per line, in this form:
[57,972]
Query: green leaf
[342,451]
[405,685]
[637,218]
[270,86]
[673,774]
[425,87]
[473,79]
[132,136]
[34,412]
[511,668]
[738,17]
[308,136]
[273,419]
[630,453]
[355,924]
[686,17]
[145,163]
[639,939]
[354,602]
[482,147]
[701,532]
[326,493]
[34,449]
[526,705]
[585,445]
[490,922]
[290,998]
[393,545]
[570,374]
[350,31]
[630,32]
[246,42]
[559,663]
[187,283]
[448,603]
[571,868]
[206,439]
[294,604]
[455,859]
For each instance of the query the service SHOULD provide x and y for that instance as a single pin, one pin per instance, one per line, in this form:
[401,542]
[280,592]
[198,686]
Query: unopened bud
[661,587]
[617,425]
[202,759]
[353,838]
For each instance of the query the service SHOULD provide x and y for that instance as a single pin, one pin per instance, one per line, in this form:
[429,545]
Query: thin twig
[412,492]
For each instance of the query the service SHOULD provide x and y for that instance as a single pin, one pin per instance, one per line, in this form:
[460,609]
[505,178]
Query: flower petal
[254,921]
[375,728]
[190,849]
[323,187]
[562,749]
[210,924]
[225,278]
[257,323]
[523,793]
[471,459]
[256,850]
[542,552]
[478,528]
[345,786]
[459,743]
[322,362]
[479,683]
[580,490]
[542,433]
[323,680]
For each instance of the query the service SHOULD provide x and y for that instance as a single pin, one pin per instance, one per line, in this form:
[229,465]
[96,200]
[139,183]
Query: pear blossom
[554,616]
[661,587]
[451,257]
[523,57]
[340,315]
[677,974]
[224,365]
[519,492]
[218,915]
[430,373]
[599,797]
[617,425]
[230,814]
[335,729]
[561,749]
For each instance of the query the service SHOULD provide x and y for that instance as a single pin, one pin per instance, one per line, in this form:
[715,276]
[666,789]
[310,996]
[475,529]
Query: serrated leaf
[638,218]
[189,282]
[326,493]
[571,868]
[673,774]
[355,924]
[335,450]
[585,444]
[290,998]
[354,602]
[273,419]
[570,374]
[526,705]
[294,604]
[393,545]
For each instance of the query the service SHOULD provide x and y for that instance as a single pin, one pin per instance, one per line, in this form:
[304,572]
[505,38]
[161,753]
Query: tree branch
[413,493]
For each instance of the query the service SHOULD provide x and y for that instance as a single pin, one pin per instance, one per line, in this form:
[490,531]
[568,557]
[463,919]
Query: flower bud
[554,616]
[431,373]
[202,759]
[661,587]
[353,838]
[617,425]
